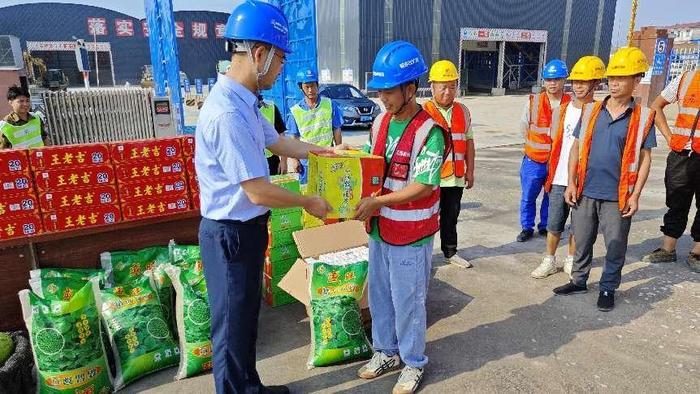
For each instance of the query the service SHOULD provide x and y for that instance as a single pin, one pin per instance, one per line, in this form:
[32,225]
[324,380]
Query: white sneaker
[569,265]
[458,261]
[409,380]
[546,268]
[379,365]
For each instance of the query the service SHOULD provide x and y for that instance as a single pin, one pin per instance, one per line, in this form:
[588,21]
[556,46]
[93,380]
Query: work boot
[569,265]
[570,288]
[524,235]
[409,380]
[606,301]
[547,267]
[660,256]
[379,365]
[458,261]
[542,232]
[694,262]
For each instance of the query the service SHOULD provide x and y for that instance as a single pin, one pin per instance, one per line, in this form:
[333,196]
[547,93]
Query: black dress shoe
[570,288]
[524,235]
[275,390]
[606,301]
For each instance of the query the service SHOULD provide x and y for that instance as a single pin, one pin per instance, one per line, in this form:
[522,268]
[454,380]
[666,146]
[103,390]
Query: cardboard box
[164,187]
[189,166]
[66,178]
[286,221]
[148,150]
[287,181]
[132,171]
[344,178]
[21,204]
[141,209]
[310,221]
[69,156]
[81,218]
[187,146]
[14,161]
[284,252]
[317,241]
[20,226]
[79,197]
[193,183]
[196,203]
[278,269]
[15,183]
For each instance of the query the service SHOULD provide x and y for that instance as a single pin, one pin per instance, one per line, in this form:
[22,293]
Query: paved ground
[492,328]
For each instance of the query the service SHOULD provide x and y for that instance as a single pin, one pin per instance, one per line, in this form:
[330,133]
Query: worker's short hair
[15,91]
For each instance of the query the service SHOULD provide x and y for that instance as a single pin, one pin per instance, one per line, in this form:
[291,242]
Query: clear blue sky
[650,12]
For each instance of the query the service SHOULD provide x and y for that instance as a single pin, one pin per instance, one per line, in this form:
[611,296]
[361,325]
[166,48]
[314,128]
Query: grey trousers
[589,216]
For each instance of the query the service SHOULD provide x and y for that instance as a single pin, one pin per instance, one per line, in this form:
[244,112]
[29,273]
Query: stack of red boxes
[19,208]
[188,152]
[76,186]
[151,176]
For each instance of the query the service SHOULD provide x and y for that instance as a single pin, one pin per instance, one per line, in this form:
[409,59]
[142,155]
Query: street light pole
[97,66]
[632,21]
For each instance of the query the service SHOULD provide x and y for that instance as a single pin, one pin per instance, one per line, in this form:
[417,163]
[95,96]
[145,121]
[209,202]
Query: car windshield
[343,92]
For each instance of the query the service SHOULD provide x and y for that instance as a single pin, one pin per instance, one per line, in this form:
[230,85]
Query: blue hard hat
[396,63]
[255,20]
[555,69]
[307,75]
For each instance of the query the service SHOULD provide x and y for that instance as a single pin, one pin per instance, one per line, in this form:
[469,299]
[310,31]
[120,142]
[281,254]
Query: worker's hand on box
[295,166]
[469,180]
[367,207]
[317,206]
[343,146]
[570,196]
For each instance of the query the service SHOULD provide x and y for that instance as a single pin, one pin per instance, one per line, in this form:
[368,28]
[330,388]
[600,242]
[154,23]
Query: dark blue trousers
[233,254]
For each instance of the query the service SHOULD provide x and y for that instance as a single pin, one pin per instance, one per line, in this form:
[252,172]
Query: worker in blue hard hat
[235,192]
[534,125]
[407,210]
[315,119]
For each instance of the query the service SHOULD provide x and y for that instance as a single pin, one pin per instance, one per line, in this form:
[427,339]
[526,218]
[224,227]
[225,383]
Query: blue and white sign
[660,52]
[198,86]
[188,87]
[211,82]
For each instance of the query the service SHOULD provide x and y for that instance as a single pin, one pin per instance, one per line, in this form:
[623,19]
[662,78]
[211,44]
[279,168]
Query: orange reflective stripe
[558,116]
[688,106]
[588,118]
[459,125]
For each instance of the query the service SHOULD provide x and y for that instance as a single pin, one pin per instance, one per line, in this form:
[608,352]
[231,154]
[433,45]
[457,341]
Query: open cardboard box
[316,241]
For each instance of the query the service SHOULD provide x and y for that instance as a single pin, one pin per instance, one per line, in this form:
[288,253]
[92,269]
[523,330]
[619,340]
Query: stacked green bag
[124,267]
[66,342]
[191,309]
[336,286]
[77,274]
[141,339]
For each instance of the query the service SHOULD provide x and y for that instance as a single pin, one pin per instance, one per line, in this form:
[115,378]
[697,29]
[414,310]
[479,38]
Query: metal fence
[98,115]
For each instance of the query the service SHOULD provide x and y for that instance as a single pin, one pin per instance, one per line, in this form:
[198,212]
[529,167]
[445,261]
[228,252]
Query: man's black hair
[15,91]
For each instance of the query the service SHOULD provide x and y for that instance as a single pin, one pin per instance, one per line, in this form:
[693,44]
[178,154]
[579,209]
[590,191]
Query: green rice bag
[336,286]
[57,288]
[84,274]
[191,310]
[66,342]
[124,267]
[141,339]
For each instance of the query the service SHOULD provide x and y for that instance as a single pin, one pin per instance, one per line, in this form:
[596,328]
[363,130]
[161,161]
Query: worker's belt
[262,219]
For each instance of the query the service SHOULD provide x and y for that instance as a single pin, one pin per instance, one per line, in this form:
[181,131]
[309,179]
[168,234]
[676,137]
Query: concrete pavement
[492,328]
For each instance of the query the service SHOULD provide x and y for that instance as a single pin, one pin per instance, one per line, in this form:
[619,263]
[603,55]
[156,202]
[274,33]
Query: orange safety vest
[538,142]
[459,126]
[689,105]
[404,224]
[641,121]
[558,115]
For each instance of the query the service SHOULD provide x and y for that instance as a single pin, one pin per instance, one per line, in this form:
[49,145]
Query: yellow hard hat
[443,71]
[587,68]
[627,61]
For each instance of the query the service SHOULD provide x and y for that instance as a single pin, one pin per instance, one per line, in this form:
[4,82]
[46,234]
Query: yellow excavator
[53,79]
